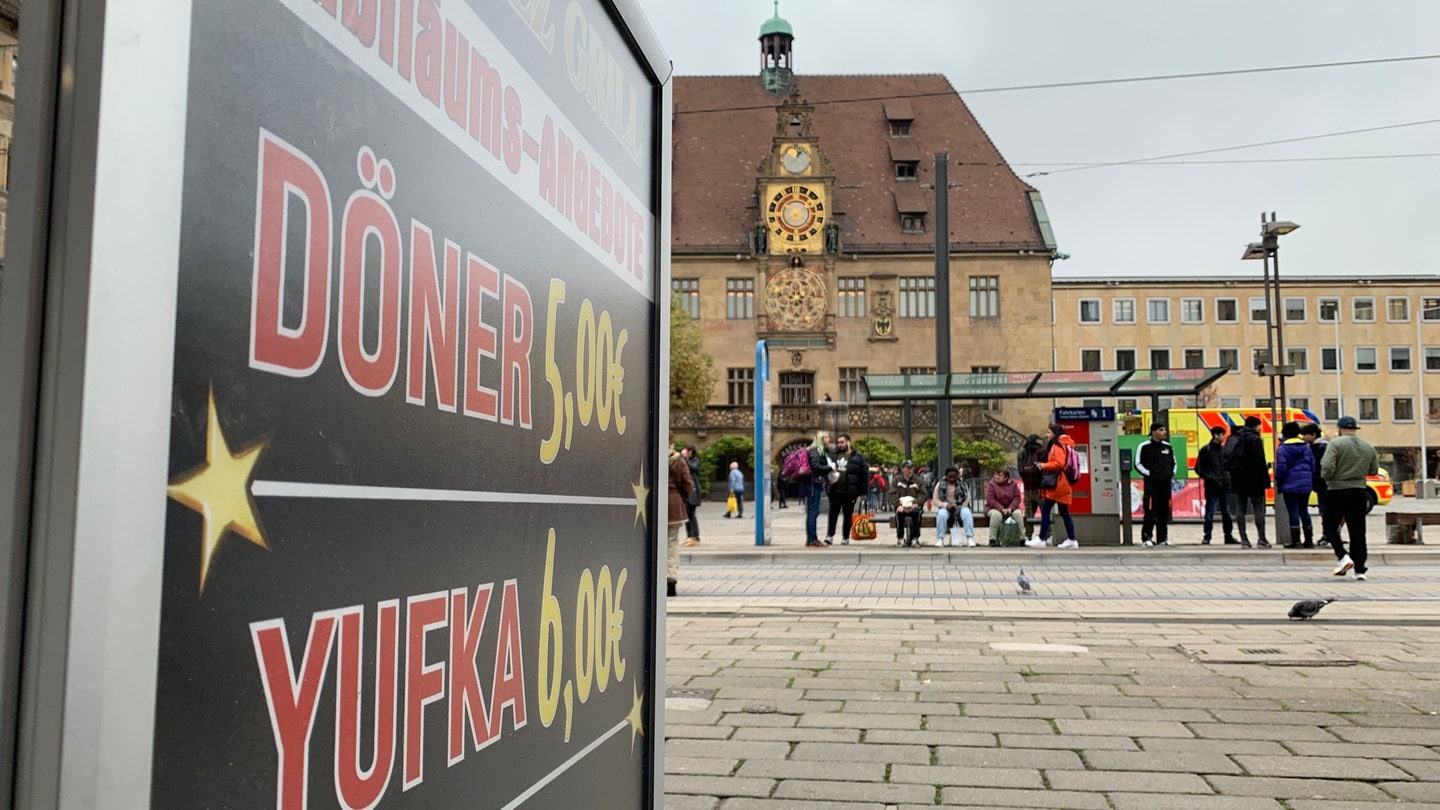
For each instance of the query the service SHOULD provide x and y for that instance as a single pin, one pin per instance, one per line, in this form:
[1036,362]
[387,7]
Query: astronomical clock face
[795,298]
[795,216]
[795,158]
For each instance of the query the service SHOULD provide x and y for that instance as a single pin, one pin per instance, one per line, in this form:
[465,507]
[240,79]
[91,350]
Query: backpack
[1072,464]
[797,464]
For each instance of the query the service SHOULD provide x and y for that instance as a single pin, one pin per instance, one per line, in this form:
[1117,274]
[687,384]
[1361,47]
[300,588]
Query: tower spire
[776,38]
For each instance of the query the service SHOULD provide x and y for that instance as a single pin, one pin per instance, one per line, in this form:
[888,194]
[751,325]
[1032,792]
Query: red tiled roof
[724,126]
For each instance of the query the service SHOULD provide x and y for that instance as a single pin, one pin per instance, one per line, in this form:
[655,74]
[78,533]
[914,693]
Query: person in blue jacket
[1294,480]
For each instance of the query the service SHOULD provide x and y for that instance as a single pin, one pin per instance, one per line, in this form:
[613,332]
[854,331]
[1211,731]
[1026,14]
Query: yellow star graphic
[641,493]
[634,718]
[219,490]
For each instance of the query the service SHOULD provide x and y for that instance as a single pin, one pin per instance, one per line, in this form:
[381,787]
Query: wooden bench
[1406,528]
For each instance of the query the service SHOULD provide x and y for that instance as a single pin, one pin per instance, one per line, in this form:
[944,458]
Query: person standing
[1294,476]
[812,486]
[681,485]
[1057,494]
[848,472]
[1002,502]
[777,487]
[1348,460]
[1310,433]
[949,498]
[737,490]
[1028,463]
[909,492]
[1155,462]
[1210,467]
[692,501]
[1249,478]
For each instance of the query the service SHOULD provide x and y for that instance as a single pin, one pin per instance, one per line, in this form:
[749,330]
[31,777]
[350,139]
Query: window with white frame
[1328,310]
[1397,309]
[1230,358]
[1294,310]
[1192,310]
[689,291]
[1227,310]
[1194,358]
[1262,402]
[984,297]
[1123,310]
[1329,358]
[850,297]
[1402,409]
[1125,359]
[1299,358]
[1362,310]
[739,298]
[1259,308]
[1400,358]
[1432,409]
[1366,358]
[1303,403]
[1330,407]
[1159,358]
[1157,310]
[1369,409]
[1090,310]
[1258,357]
[852,389]
[917,296]
[1430,310]
[1432,358]
[1089,359]
[1229,402]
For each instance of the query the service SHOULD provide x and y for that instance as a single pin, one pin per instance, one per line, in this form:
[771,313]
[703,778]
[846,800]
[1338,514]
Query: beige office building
[1369,348]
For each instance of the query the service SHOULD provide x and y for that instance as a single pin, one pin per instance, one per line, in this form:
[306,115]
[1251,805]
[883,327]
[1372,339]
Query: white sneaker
[1359,577]
[1344,567]
[1071,543]
[1035,542]
[970,542]
[1148,544]
[844,541]
[939,542]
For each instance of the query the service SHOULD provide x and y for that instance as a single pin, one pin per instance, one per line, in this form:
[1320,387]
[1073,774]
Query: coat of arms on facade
[882,318]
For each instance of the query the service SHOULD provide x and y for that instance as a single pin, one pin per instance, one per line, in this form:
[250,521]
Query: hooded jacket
[1294,467]
[1002,494]
[1245,457]
[1055,460]
[1028,462]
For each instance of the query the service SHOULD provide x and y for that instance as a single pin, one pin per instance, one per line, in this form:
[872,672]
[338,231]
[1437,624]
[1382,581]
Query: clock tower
[797,230]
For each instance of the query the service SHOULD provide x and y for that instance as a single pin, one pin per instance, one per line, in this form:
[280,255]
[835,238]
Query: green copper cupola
[776,38]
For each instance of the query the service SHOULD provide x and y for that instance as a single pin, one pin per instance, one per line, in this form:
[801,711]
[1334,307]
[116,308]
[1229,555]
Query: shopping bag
[862,527]
[731,505]
[1009,533]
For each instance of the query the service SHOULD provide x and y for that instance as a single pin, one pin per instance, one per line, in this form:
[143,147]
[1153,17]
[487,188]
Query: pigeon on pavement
[1307,608]
[1024,583]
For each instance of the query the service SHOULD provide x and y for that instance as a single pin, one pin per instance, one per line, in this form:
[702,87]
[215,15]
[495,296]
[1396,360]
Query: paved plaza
[875,677]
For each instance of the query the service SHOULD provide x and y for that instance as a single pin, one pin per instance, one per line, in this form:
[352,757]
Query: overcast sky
[1358,217]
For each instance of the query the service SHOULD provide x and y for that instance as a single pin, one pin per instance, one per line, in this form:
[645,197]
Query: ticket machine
[1095,498]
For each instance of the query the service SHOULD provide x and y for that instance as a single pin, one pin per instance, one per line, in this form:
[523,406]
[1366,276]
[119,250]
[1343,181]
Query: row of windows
[1227,310]
[1367,358]
[917,297]
[798,387]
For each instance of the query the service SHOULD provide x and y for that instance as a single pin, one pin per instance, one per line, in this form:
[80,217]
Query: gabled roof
[724,129]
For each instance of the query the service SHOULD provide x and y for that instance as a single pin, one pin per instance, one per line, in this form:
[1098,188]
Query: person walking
[737,490]
[681,485]
[848,472]
[692,501]
[1057,491]
[1002,502]
[909,492]
[1028,463]
[1294,477]
[949,498]
[812,486]
[1348,460]
[1249,478]
[1155,462]
[1215,478]
[1310,433]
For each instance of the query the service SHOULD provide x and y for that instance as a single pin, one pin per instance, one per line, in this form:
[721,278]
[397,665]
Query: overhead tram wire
[1085,83]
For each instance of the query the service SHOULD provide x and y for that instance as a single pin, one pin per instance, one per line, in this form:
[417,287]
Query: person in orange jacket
[1059,494]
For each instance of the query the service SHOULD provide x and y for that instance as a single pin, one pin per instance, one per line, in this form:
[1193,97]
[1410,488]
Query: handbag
[1049,479]
[1009,533]
[730,504]
[862,527]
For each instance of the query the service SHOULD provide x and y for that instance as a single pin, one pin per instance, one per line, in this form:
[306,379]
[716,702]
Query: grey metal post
[945,455]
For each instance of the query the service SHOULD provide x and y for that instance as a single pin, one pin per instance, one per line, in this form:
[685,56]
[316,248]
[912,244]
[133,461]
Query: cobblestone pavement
[1132,679]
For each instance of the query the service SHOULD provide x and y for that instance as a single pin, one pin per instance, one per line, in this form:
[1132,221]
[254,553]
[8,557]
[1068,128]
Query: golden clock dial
[795,298]
[795,215]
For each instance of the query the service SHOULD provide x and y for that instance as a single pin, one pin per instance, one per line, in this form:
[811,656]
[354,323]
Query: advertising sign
[409,552]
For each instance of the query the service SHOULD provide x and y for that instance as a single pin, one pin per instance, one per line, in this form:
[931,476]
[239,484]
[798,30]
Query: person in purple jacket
[1294,480]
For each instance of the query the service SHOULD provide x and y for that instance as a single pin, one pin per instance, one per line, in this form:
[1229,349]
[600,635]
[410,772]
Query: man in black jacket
[1156,463]
[1210,467]
[1249,477]
[847,476]
[1028,463]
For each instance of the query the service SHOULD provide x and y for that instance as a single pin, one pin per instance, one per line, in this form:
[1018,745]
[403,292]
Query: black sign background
[254,65]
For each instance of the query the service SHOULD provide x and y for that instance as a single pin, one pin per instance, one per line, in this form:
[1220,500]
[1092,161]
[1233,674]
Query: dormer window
[898,116]
[905,156]
[899,129]
[905,169]
[912,223]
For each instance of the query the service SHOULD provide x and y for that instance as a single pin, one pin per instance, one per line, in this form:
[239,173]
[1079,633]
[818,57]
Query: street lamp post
[1267,250]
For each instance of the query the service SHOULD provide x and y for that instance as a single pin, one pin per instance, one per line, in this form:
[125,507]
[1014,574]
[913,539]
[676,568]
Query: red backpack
[797,464]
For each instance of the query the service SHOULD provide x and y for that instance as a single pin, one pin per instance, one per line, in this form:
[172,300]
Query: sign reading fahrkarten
[409,555]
